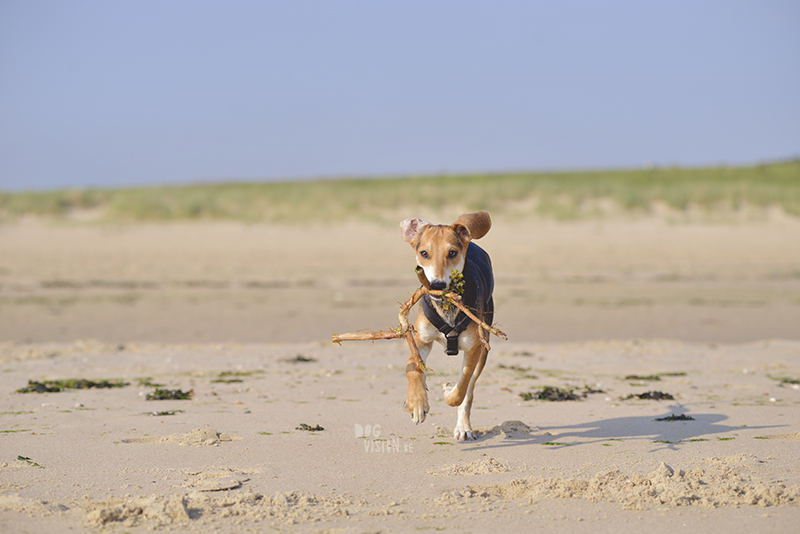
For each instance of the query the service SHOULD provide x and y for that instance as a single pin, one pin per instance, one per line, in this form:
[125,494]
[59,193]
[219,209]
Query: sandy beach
[284,430]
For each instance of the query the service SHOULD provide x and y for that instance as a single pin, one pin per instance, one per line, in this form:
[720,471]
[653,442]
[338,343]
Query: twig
[456,301]
[407,331]
[366,336]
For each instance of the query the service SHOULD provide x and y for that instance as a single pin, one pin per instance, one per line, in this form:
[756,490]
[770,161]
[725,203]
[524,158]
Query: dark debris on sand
[309,428]
[54,386]
[299,359]
[650,395]
[673,417]
[554,394]
[170,394]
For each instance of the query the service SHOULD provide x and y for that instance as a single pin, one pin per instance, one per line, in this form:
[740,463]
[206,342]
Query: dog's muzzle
[438,285]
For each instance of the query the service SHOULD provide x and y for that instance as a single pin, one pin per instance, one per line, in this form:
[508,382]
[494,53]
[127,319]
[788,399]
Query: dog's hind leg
[463,429]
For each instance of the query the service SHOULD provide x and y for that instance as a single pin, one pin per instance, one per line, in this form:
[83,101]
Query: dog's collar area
[451,332]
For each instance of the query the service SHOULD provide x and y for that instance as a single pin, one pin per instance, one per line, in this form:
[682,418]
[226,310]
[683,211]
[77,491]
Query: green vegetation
[54,386]
[170,394]
[147,382]
[550,393]
[560,195]
[29,461]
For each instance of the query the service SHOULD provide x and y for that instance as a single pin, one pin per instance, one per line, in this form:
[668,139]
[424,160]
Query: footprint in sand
[197,438]
[217,479]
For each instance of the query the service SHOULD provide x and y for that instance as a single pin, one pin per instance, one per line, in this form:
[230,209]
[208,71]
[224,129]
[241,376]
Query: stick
[407,331]
[365,336]
[456,300]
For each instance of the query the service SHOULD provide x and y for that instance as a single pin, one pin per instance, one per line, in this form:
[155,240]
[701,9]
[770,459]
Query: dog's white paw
[464,434]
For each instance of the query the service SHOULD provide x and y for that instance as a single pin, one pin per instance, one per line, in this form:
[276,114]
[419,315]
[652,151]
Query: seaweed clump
[554,394]
[673,417]
[309,428]
[300,359]
[649,378]
[170,394]
[650,395]
[54,386]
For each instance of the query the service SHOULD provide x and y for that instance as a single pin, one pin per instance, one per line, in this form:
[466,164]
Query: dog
[441,251]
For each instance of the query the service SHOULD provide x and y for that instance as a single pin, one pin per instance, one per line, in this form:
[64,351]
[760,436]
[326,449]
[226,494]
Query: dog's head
[441,248]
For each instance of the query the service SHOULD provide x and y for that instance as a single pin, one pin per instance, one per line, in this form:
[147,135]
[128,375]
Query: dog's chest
[449,315]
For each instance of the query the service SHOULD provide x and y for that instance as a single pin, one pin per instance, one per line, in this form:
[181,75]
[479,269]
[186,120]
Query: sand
[225,311]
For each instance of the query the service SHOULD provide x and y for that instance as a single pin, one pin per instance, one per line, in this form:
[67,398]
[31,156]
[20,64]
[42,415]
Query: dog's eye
[424,253]
[452,254]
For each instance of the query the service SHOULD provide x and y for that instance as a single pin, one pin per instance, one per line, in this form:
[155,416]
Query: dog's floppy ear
[477,224]
[411,228]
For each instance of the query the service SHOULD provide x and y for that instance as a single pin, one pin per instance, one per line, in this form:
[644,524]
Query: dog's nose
[438,285]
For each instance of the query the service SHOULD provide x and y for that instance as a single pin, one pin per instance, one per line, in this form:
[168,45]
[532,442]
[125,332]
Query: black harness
[478,288]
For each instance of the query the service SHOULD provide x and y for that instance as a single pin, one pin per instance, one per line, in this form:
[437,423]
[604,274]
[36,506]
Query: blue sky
[150,92]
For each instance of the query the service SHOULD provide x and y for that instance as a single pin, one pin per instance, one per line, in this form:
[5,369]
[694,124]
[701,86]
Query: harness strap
[450,332]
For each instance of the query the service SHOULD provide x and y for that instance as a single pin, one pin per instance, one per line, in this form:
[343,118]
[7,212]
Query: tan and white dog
[442,250]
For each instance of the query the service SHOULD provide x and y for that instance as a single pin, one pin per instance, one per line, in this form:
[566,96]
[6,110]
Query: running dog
[442,251]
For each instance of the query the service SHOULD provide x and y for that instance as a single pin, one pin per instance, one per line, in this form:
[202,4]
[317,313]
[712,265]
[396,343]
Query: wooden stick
[366,336]
[415,357]
[422,278]
[407,331]
[457,303]
[405,309]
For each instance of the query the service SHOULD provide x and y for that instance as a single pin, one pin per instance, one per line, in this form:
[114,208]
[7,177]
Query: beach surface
[283,430]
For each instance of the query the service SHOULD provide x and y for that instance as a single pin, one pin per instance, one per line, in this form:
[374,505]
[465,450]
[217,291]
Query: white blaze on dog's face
[440,249]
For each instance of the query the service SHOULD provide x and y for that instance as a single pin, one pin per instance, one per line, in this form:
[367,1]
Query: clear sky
[160,92]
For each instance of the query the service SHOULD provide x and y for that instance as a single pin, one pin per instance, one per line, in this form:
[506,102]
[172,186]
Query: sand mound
[478,467]
[158,511]
[721,482]
[509,429]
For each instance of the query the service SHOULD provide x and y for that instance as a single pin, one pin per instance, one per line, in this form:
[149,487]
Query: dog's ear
[411,228]
[477,224]
[462,232]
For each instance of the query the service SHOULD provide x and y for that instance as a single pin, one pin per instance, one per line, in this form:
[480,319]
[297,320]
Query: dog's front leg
[417,402]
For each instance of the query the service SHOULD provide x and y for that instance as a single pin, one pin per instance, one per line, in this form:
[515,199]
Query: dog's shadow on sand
[664,431]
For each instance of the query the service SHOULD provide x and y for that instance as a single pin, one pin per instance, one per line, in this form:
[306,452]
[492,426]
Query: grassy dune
[573,195]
